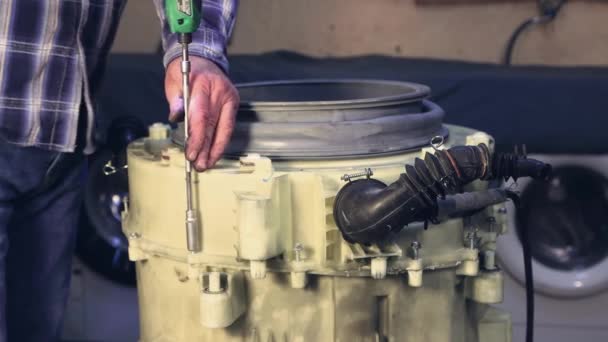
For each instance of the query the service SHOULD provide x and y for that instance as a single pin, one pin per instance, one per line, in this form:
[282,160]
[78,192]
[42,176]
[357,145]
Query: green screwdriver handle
[184,16]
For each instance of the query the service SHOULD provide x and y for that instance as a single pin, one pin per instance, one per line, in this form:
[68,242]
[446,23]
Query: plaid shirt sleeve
[211,38]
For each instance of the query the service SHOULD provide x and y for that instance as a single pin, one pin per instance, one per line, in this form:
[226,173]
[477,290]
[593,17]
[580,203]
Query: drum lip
[322,148]
[413,92]
[381,118]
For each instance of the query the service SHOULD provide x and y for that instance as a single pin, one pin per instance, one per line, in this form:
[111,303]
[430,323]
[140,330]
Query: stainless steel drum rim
[320,119]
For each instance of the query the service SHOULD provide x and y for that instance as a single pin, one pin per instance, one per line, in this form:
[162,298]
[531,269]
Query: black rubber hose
[460,205]
[368,210]
[528,274]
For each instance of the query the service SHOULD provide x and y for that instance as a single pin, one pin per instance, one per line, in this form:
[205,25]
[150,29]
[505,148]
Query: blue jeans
[40,193]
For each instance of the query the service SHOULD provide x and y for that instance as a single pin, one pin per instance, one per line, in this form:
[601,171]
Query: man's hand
[213,105]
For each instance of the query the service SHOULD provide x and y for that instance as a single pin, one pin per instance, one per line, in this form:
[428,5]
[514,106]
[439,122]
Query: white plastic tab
[259,234]
[219,309]
[414,273]
[158,131]
[486,288]
[378,266]
[299,280]
[469,268]
[258,269]
[414,278]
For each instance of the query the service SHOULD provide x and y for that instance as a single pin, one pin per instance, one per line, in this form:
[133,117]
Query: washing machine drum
[567,221]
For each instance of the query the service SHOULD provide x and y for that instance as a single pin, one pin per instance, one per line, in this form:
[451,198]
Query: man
[52,56]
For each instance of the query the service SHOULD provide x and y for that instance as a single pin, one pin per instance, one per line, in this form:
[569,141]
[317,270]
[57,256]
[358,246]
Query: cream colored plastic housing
[274,266]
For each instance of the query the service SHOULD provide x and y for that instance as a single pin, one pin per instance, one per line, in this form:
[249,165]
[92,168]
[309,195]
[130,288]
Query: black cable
[529,278]
[515,35]
[547,15]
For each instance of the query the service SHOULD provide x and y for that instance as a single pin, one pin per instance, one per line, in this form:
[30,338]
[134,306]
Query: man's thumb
[176,108]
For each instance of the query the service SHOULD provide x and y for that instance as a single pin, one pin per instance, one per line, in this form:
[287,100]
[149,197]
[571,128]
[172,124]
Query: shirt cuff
[197,49]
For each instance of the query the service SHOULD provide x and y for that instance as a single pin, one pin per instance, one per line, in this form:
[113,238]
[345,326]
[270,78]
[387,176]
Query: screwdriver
[184,17]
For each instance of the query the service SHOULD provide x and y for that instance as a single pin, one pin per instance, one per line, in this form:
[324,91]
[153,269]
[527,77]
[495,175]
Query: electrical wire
[529,287]
[548,14]
[528,274]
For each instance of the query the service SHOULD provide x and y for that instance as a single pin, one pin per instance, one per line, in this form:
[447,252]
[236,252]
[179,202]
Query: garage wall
[473,32]
[139,29]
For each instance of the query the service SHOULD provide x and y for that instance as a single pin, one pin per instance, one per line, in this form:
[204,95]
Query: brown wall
[139,29]
[474,32]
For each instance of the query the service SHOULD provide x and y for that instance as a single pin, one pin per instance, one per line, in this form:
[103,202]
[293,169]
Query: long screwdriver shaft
[192,229]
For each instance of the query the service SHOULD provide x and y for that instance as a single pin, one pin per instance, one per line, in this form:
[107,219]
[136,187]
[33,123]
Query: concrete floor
[99,310]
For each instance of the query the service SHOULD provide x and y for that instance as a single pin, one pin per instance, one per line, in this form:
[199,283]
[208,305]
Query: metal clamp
[349,177]
[109,169]
[437,141]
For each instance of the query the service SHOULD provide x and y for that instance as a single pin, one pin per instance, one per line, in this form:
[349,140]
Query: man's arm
[214,100]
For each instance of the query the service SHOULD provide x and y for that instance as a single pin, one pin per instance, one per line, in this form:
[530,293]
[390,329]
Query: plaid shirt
[52,56]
